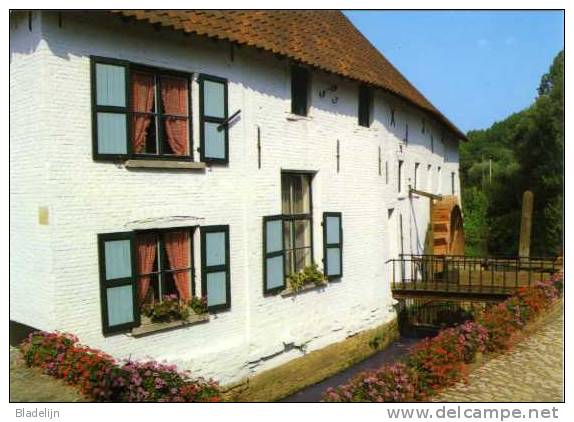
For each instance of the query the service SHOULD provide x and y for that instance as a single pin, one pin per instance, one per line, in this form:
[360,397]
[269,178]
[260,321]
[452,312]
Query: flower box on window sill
[165,164]
[309,286]
[148,327]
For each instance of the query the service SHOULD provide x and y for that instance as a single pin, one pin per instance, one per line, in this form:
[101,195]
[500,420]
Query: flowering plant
[102,378]
[440,361]
[392,383]
[309,274]
[171,308]
[198,305]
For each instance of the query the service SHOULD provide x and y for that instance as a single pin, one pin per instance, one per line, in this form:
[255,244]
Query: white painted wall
[54,269]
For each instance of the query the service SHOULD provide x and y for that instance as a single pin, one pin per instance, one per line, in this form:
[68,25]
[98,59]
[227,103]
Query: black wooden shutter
[273,254]
[215,275]
[110,99]
[299,90]
[213,113]
[333,244]
[118,289]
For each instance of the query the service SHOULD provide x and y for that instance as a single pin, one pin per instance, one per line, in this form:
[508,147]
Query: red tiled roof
[324,39]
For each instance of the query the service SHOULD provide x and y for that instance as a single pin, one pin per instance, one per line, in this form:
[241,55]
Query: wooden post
[525,224]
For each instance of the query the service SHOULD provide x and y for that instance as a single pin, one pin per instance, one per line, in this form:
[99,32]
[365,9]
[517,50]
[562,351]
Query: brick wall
[86,197]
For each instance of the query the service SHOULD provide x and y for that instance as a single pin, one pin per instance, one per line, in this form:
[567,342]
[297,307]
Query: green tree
[527,152]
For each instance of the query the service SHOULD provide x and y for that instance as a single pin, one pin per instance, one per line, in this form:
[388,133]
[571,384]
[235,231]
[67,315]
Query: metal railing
[459,273]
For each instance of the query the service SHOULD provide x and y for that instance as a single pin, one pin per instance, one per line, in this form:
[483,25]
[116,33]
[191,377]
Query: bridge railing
[459,273]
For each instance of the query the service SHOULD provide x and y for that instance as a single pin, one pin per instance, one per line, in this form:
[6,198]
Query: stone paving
[30,385]
[531,372]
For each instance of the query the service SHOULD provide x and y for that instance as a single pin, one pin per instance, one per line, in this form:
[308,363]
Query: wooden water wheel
[447,229]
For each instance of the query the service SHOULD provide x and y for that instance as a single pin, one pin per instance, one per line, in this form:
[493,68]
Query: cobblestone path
[531,372]
[30,385]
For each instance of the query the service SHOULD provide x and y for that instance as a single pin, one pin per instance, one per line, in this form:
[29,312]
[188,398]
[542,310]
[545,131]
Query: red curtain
[146,247]
[178,254]
[142,101]
[174,97]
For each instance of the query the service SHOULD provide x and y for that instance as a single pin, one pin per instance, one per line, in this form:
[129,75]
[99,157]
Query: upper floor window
[365,105]
[145,112]
[299,90]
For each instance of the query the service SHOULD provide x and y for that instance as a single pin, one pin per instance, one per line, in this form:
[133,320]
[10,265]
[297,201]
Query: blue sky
[475,67]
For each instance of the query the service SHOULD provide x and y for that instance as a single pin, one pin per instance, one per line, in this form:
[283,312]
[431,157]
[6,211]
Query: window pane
[214,141]
[149,288]
[286,194]
[275,274]
[215,248]
[290,261]
[112,133]
[333,261]
[302,233]
[118,259]
[288,237]
[144,134]
[274,235]
[175,136]
[110,85]
[174,96]
[295,190]
[333,229]
[214,99]
[302,258]
[216,291]
[120,305]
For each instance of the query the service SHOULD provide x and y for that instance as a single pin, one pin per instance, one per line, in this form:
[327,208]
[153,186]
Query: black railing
[463,274]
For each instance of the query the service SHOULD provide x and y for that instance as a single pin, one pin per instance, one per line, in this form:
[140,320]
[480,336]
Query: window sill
[165,164]
[307,287]
[149,327]
[297,117]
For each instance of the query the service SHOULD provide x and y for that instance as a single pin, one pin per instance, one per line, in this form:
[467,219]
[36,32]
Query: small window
[139,111]
[333,244]
[214,129]
[416,175]
[299,90]
[400,176]
[215,276]
[365,105]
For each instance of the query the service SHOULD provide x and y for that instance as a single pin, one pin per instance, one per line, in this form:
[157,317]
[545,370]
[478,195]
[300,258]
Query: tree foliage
[523,152]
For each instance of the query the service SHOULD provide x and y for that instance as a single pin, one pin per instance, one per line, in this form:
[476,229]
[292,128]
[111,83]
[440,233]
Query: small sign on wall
[43,216]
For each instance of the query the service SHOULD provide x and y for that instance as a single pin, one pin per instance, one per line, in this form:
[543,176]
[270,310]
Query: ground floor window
[143,272]
[164,265]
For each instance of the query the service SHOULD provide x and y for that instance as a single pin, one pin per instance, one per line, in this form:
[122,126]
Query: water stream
[393,352]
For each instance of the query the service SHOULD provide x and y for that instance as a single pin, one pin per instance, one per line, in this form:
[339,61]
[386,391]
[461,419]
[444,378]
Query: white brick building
[90,183]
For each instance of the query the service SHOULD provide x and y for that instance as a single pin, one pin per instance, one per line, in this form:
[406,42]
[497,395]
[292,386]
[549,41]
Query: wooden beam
[526,224]
[423,193]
